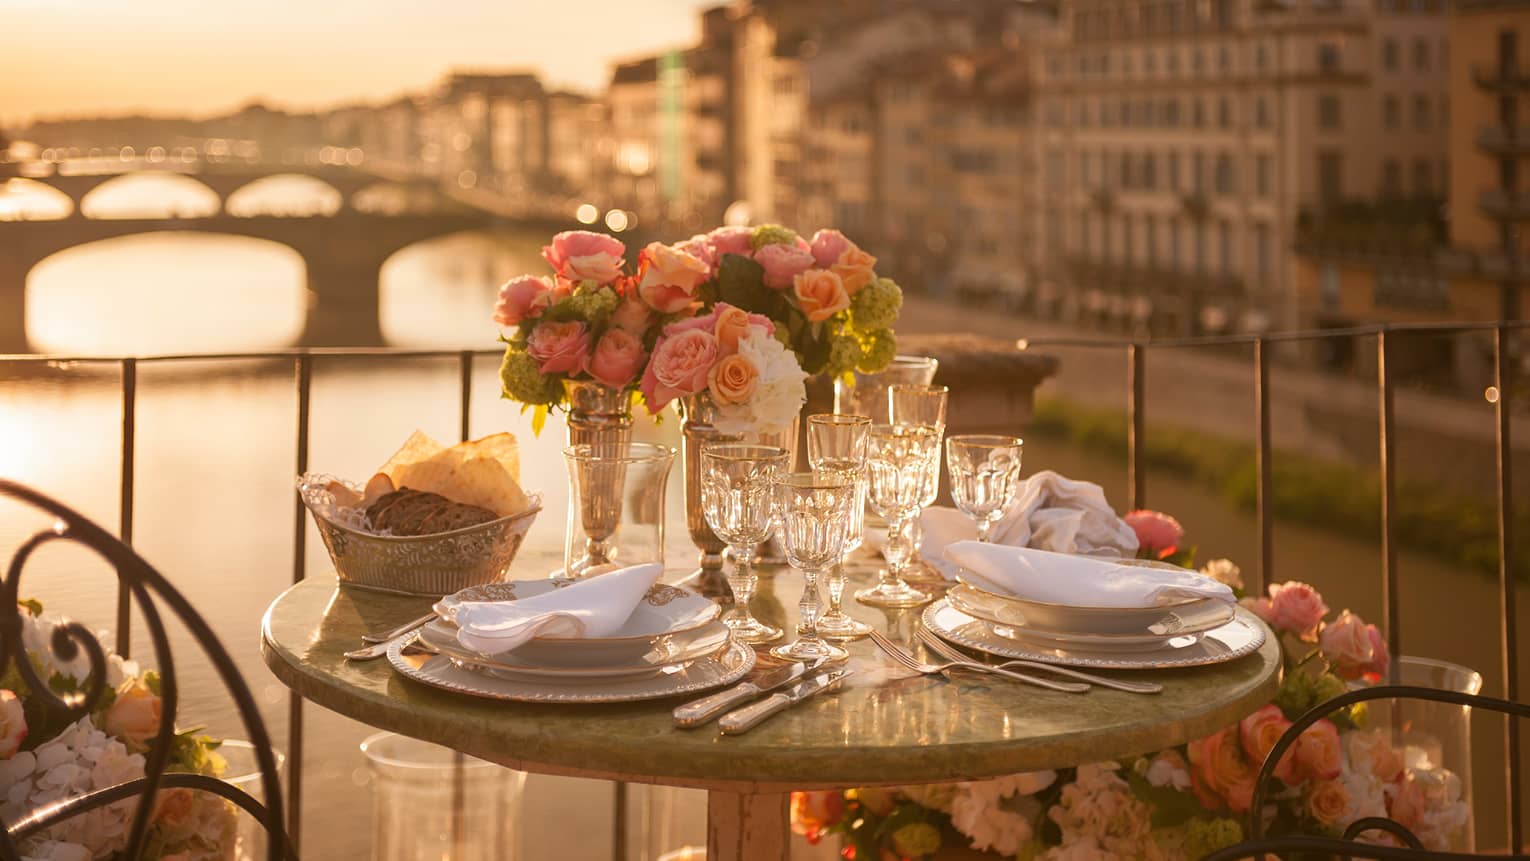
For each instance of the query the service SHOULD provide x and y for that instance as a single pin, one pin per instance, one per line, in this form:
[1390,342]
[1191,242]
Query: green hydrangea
[1203,837]
[594,304]
[877,351]
[877,305]
[1298,692]
[772,234]
[521,381]
[916,840]
[783,335]
[844,354]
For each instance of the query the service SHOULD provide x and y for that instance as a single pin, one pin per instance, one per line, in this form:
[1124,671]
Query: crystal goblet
[838,443]
[897,460]
[985,474]
[920,406]
[737,499]
[814,512]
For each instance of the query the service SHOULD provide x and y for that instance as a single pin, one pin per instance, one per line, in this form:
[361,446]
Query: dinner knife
[746,718]
[698,712]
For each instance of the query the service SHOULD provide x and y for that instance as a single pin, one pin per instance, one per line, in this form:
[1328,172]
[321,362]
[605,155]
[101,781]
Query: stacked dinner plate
[672,644]
[1183,632]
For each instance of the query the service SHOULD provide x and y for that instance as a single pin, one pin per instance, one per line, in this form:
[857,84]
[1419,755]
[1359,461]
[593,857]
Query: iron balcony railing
[1136,352]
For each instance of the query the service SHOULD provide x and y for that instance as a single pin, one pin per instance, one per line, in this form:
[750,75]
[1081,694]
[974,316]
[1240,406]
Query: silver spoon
[385,636]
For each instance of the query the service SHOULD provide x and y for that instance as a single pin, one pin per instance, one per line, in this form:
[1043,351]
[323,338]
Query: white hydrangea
[37,638]
[81,759]
[1100,818]
[53,850]
[779,393]
[997,814]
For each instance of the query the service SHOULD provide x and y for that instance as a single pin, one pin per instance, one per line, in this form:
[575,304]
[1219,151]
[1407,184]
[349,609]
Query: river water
[215,455]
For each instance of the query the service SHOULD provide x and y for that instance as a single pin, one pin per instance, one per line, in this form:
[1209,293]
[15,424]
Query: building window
[1262,255]
[1128,240]
[1224,114]
[1224,58]
[1198,173]
[1389,55]
[1197,113]
[1224,249]
[1421,54]
[1148,172]
[1421,113]
[1330,174]
[1391,179]
[1261,57]
[1328,286]
[1262,176]
[1391,113]
[1328,57]
[1199,237]
[1224,174]
[1170,113]
[1174,171]
[1173,56]
[1261,113]
[1150,238]
[1174,252]
[1328,111]
[1423,179]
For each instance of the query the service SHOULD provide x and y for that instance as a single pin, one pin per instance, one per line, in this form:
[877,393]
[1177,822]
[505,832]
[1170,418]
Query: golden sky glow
[87,57]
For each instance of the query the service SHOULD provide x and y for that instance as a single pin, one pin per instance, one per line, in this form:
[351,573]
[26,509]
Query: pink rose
[1296,608]
[820,294]
[1372,753]
[669,277]
[632,315]
[582,255]
[710,322]
[700,247]
[782,264]
[618,356]
[1381,656]
[559,348]
[1406,803]
[729,240]
[133,717]
[522,298]
[13,724]
[1219,773]
[679,367]
[1259,732]
[1158,534]
[1318,752]
[827,247]
[1346,644]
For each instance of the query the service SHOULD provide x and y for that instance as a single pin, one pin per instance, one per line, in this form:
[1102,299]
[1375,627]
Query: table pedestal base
[748,827]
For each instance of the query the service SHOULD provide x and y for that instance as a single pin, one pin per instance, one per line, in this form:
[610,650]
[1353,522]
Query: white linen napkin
[1049,512]
[1078,581]
[594,607]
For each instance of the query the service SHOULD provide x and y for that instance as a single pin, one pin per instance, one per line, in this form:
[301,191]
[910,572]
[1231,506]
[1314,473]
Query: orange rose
[1259,732]
[821,294]
[1328,802]
[732,324]
[173,807]
[1318,751]
[854,267]
[733,380]
[814,813]
[133,717]
[1219,772]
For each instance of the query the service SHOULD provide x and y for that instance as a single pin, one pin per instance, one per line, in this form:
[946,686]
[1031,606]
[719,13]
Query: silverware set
[956,660]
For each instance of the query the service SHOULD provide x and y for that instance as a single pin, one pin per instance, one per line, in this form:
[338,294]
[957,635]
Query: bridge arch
[435,293]
[24,199]
[151,194]
[291,195]
[167,291]
[386,197]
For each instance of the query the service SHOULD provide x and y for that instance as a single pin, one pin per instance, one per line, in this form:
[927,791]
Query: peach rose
[1158,534]
[679,367]
[1372,753]
[1219,773]
[856,268]
[618,356]
[134,715]
[632,315]
[1406,803]
[1318,751]
[733,380]
[1328,802]
[1296,608]
[729,240]
[782,264]
[821,294]
[669,277]
[583,255]
[522,298]
[1347,645]
[559,348]
[732,324]
[700,247]
[173,807]
[814,813]
[13,724]
[827,246]
[1259,732]
[1381,656]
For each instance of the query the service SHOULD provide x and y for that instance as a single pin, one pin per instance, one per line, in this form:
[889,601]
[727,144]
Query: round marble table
[884,727]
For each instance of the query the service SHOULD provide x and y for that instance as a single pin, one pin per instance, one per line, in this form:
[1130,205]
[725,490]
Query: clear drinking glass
[897,462]
[814,511]
[429,801]
[838,443]
[737,500]
[985,473]
[866,394]
[615,506]
[920,406]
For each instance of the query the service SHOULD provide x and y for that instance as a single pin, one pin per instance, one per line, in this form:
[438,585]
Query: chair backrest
[150,591]
[1257,845]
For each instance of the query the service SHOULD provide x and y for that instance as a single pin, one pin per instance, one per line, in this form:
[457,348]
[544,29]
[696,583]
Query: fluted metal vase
[600,417]
[697,414]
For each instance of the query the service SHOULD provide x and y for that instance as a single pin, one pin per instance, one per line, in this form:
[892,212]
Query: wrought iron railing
[1136,352]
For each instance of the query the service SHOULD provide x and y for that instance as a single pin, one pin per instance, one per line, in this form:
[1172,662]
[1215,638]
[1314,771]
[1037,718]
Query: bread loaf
[415,512]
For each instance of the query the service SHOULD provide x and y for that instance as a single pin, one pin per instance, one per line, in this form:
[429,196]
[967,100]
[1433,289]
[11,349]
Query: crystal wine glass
[920,406]
[897,460]
[737,500]
[838,443]
[814,511]
[985,473]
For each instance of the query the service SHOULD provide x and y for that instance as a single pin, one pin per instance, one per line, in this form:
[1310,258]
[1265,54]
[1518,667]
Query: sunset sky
[88,57]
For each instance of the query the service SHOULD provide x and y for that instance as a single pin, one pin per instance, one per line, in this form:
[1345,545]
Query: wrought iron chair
[1257,845]
[146,586]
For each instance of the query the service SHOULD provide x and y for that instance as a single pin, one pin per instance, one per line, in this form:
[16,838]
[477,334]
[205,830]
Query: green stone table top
[885,727]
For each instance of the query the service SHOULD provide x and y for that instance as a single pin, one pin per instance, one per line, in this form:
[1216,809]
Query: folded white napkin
[1049,512]
[593,607]
[1078,581]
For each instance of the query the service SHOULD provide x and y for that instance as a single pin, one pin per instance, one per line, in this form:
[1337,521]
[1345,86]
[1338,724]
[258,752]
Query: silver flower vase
[599,417]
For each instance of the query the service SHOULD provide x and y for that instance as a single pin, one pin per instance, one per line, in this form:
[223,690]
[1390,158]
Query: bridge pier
[342,304]
[13,305]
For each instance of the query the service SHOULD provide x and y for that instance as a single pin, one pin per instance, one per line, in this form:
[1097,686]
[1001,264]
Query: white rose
[989,826]
[1224,571]
[1164,771]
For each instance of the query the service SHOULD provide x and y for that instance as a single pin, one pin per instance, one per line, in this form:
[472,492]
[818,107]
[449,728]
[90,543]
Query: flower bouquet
[45,758]
[1190,800]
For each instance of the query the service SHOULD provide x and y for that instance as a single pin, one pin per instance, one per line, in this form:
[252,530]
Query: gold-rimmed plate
[1098,630]
[667,652]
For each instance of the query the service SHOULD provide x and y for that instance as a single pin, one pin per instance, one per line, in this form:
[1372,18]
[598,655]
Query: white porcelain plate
[665,612]
[1095,631]
[1241,636]
[679,649]
[723,668]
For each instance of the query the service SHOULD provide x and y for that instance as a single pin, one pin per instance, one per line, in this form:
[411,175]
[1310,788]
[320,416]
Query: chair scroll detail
[1258,846]
[150,591]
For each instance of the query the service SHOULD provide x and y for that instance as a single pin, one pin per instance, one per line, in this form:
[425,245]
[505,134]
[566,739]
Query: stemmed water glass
[923,406]
[814,512]
[838,443]
[985,473]
[737,499]
[897,460]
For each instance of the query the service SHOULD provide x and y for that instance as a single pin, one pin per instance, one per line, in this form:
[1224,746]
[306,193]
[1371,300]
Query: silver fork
[946,650]
[896,652]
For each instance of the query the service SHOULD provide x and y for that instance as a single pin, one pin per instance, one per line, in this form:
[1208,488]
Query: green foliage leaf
[31,605]
[539,419]
[1170,806]
[741,283]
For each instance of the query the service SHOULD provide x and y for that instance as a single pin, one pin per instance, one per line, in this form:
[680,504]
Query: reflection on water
[292,195]
[439,293]
[151,195]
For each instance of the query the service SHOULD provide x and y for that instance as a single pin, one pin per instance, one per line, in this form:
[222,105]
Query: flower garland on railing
[1186,801]
[46,759]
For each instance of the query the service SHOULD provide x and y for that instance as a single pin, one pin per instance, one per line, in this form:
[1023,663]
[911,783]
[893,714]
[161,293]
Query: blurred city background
[222,179]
